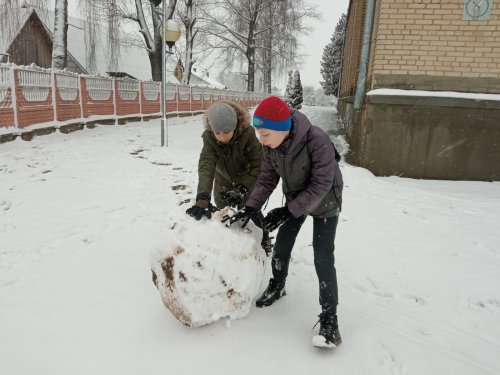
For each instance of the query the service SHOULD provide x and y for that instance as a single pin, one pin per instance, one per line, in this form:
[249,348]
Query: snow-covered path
[417,263]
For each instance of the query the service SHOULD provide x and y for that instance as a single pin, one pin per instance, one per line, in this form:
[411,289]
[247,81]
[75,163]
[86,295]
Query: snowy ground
[418,266]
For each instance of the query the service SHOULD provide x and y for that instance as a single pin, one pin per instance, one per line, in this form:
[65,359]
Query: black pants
[324,230]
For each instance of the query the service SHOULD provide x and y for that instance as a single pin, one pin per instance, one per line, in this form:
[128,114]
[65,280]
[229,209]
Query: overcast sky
[313,45]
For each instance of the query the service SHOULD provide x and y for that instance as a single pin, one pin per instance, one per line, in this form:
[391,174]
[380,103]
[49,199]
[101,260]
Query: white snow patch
[440,94]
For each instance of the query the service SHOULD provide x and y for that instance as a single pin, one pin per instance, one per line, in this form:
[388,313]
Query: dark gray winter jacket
[311,177]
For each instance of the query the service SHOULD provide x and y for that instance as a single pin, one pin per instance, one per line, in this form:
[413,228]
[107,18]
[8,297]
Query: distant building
[120,75]
[198,78]
[32,44]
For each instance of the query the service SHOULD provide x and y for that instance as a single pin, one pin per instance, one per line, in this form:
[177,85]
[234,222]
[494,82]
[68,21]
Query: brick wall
[352,50]
[415,37]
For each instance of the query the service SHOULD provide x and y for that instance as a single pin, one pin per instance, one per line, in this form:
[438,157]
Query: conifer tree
[294,95]
[331,62]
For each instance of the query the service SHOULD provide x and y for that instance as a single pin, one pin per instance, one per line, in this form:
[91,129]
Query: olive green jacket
[237,162]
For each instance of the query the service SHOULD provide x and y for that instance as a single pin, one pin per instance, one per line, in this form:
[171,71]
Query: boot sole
[319,341]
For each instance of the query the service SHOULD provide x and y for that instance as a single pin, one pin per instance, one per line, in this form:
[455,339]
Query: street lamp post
[170,34]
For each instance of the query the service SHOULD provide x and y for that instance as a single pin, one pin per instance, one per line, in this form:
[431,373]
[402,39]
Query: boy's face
[224,137]
[272,138]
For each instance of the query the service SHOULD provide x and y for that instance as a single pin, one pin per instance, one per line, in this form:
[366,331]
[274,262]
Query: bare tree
[113,36]
[60,40]
[153,38]
[238,26]
[277,47]
[92,36]
[188,18]
[146,14]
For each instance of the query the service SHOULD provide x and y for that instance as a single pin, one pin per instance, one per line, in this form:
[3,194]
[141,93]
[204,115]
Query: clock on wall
[477,10]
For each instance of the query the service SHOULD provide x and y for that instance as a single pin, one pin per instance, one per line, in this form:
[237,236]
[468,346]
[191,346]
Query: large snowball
[206,271]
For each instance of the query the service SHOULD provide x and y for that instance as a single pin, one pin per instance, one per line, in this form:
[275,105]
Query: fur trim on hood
[241,113]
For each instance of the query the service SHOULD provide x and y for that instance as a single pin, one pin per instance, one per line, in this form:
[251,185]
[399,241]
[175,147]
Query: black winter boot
[275,290]
[329,335]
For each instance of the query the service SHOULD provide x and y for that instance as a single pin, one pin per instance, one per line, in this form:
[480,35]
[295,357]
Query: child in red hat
[304,158]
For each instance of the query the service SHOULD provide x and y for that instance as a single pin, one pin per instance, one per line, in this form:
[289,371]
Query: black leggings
[324,230]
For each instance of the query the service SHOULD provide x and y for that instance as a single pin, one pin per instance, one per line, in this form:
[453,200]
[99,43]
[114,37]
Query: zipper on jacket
[284,173]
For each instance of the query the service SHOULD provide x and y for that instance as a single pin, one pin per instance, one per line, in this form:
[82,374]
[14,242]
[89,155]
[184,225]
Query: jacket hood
[241,113]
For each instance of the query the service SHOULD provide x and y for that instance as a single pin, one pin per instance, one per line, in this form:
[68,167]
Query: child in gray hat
[229,162]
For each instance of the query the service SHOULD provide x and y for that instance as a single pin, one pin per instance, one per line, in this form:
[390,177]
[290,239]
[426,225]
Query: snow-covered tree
[188,17]
[331,62]
[277,47]
[60,42]
[113,36]
[237,27]
[294,96]
[312,99]
[309,95]
[145,14]
[289,85]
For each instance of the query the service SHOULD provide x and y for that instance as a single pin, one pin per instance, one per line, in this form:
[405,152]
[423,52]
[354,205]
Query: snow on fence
[184,99]
[150,101]
[5,88]
[67,96]
[127,98]
[6,107]
[32,95]
[172,97]
[99,89]
[196,99]
[151,90]
[67,86]
[97,96]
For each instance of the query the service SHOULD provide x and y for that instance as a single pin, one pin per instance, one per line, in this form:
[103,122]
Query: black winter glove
[198,212]
[276,217]
[203,207]
[235,196]
[244,215]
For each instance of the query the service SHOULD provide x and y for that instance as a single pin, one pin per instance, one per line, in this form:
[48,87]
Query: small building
[120,75]
[32,44]
[198,78]
[422,99]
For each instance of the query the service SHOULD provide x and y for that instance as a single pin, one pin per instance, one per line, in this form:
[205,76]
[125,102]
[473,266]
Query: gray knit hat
[222,117]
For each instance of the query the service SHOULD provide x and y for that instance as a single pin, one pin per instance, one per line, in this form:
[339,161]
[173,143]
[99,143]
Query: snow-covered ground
[418,267]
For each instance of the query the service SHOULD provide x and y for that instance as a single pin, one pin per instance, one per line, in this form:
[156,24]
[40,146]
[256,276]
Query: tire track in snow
[466,342]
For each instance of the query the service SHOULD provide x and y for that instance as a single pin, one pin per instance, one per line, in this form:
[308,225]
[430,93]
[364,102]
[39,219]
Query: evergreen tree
[289,84]
[294,95]
[331,62]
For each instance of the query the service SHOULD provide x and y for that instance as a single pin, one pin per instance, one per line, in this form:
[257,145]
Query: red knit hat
[272,113]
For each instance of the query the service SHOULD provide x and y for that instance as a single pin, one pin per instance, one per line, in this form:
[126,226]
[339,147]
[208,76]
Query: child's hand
[276,217]
[198,212]
[235,197]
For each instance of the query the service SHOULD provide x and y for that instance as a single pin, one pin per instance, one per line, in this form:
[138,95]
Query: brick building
[442,57]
